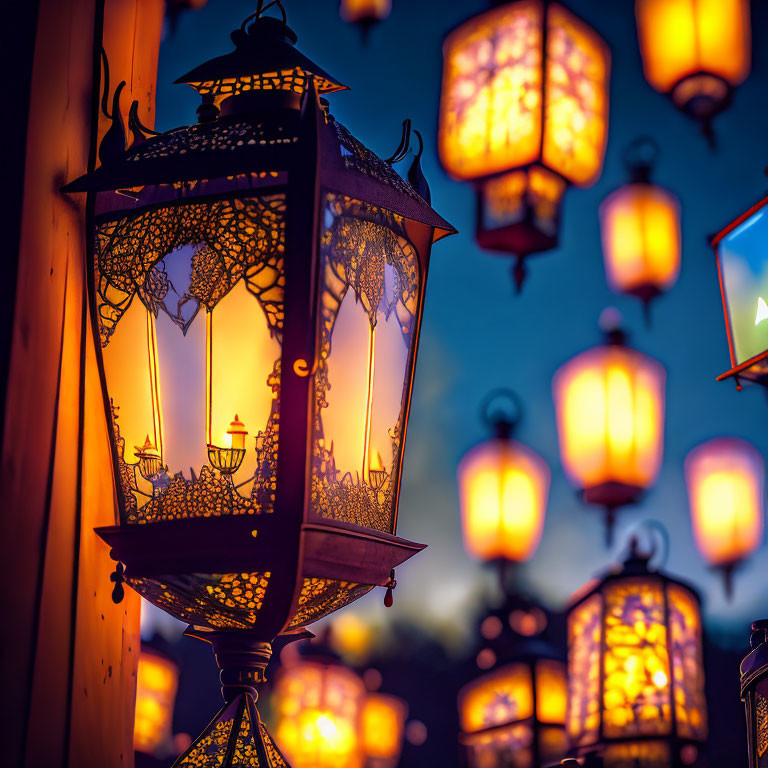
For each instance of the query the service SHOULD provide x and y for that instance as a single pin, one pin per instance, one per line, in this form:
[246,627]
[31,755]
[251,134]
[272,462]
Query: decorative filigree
[584,641]
[218,601]
[276,760]
[234,238]
[360,158]
[295,80]
[319,597]
[761,713]
[211,748]
[126,472]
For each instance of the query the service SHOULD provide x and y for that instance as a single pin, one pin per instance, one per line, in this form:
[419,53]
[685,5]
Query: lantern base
[755,369]
[702,95]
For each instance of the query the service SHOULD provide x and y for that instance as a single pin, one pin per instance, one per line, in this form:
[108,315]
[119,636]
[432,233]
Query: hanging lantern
[696,51]
[515,714]
[157,680]
[365,13]
[263,264]
[754,694]
[523,113]
[635,674]
[503,488]
[742,264]
[383,724]
[318,710]
[640,227]
[725,479]
[610,420]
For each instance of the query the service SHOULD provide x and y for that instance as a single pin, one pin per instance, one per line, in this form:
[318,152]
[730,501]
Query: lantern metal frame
[756,367]
[753,671]
[636,565]
[289,136]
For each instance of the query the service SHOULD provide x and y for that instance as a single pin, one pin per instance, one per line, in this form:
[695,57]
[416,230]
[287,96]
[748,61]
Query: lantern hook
[137,128]
[651,527]
[502,411]
[261,8]
[403,146]
[519,273]
[640,156]
[391,585]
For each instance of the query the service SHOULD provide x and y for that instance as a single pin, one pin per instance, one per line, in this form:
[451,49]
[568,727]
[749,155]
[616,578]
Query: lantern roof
[755,662]
[264,47]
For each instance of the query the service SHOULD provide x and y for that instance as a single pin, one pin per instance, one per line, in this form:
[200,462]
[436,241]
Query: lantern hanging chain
[261,9]
[662,534]
[501,421]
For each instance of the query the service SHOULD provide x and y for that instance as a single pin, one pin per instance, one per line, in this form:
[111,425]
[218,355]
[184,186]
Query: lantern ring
[501,410]
[301,367]
[651,527]
[640,156]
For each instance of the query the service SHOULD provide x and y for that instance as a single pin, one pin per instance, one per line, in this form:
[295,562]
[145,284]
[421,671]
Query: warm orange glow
[493,117]
[725,479]
[351,637]
[156,682]
[500,697]
[365,10]
[680,38]
[383,725]
[640,226]
[610,417]
[551,692]
[503,487]
[318,709]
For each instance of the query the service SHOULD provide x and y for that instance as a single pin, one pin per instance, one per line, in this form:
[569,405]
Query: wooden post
[67,653]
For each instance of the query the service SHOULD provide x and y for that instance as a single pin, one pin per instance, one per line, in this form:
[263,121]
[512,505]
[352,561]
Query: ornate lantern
[262,264]
[740,250]
[383,725]
[157,680]
[754,694]
[695,51]
[635,674]
[725,479]
[523,113]
[640,227]
[514,715]
[365,13]
[503,488]
[610,420]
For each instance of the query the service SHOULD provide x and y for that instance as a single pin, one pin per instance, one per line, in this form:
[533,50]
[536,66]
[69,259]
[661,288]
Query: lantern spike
[416,176]
[610,525]
[113,143]
[727,571]
[519,273]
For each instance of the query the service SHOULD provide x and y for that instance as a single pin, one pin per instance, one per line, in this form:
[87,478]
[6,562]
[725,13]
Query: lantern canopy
[609,402]
[696,51]
[726,491]
[754,694]
[640,228]
[256,285]
[157,680]
[635,674]
[742,263]
[503,489]
[523,113]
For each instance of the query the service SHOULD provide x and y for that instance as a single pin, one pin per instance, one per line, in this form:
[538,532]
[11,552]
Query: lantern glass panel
[744,276]
[368,302]
[504,487]
[687,663]
[551,691]
[497,698]
[383,721]
[576,106]
[641,237]
[491,116]
[189,311]
[760,716]
[680,38]
[585,637]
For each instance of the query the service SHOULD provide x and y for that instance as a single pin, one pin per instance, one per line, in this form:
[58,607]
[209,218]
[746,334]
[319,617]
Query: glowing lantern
[156,682]
[725,479]
[695,50]
[740,250]
[503,486]
[754,694]
[640,225]
[635,674]
[610,420]
[523,112]
[262,263]
[383,723]
[318,710]
[365,13]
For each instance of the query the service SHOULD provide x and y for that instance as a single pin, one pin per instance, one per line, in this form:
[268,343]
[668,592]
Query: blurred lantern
[754,694]
[695,50]
[365,13]
[610,420]
[514,715]
[351,637]
[523,112]
[383,725]
[640,226]
[157,680]
[741,250]
[635,674]
[503,489]
[725,479]
[260,263]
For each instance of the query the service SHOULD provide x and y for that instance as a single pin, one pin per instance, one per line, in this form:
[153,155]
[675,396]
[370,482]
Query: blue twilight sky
[477,335]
